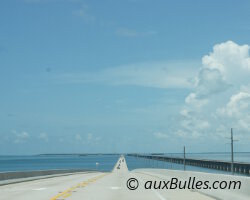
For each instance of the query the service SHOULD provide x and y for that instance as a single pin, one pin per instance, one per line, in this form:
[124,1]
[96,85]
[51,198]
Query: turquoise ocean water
[106,162]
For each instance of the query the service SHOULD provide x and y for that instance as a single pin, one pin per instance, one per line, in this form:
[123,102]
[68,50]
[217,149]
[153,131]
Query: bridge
[238,167]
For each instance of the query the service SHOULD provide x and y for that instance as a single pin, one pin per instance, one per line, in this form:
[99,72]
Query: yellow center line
[69,191]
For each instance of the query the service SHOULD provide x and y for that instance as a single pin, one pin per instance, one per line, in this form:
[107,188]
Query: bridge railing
[238,167]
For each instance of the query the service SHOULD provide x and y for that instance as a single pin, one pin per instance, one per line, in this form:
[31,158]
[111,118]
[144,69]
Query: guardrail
[28,174]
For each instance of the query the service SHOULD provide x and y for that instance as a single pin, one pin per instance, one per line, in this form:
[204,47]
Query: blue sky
[123,76]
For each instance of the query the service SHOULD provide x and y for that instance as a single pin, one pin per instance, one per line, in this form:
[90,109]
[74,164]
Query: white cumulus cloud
[237,111]
[218,101]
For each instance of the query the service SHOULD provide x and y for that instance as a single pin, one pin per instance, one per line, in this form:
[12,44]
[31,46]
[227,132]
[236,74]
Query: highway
[94,186]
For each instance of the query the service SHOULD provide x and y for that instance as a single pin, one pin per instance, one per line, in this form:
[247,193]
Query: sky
[111,76]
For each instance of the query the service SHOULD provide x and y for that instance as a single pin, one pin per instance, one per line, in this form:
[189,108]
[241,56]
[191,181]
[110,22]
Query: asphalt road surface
[94,186]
